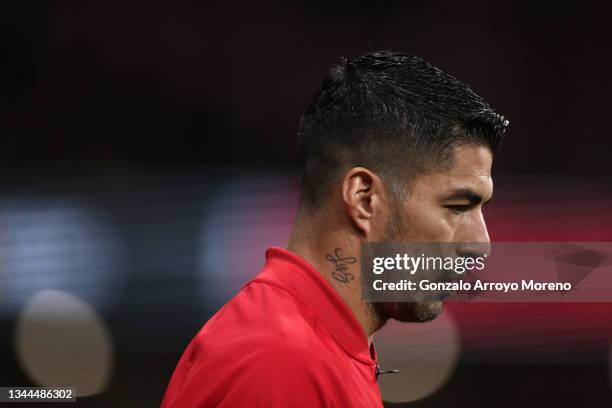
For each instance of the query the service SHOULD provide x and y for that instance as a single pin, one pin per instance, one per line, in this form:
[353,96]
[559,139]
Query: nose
[473,238]
[474,249]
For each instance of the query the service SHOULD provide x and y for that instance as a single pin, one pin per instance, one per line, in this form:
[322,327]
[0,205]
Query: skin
[443,205]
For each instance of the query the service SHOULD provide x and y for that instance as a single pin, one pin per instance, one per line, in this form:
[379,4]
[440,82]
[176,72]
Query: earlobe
[360,189]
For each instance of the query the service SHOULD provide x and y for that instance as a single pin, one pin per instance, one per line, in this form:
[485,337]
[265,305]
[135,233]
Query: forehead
[470,168]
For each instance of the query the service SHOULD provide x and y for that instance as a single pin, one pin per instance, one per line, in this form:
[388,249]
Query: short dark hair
[388,111]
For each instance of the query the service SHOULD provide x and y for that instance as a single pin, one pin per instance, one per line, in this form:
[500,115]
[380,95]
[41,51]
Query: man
[393,149]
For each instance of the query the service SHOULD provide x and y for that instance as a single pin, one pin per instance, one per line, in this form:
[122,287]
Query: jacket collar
[304,282]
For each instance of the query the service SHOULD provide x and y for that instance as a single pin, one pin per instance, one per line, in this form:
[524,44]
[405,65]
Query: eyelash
[458,208]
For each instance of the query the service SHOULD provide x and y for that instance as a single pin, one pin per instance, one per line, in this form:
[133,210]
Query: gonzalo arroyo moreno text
[458,265]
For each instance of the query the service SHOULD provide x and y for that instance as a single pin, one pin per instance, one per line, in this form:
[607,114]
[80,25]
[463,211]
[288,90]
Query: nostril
[474,250]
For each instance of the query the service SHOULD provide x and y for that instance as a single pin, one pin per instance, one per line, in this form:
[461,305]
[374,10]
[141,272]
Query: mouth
[446,288]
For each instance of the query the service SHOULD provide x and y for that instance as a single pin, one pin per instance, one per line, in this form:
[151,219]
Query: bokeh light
[61,340]
[58,243]
[425,354]
[243,220]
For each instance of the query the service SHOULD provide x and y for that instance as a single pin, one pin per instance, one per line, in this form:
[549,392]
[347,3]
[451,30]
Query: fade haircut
[392,113]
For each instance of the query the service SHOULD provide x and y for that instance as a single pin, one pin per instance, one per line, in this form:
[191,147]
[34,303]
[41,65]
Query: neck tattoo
[341,263]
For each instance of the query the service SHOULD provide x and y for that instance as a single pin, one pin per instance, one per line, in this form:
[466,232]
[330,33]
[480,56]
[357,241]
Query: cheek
[431,223]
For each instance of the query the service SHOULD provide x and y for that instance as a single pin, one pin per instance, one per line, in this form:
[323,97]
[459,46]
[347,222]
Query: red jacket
[287,339]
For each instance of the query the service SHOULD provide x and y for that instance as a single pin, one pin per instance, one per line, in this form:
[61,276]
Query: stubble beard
[418,312]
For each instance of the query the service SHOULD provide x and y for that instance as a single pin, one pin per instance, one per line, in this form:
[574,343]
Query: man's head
[406,149]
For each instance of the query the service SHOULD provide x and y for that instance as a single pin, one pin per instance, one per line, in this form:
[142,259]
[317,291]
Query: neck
[335,252]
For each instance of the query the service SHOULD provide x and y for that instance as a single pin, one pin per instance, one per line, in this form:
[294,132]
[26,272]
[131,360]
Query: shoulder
[262,313]
[261,349]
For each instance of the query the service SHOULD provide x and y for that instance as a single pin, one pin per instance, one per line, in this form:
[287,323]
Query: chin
[418,312]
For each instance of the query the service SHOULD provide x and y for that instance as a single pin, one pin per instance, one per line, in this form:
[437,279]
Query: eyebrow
[466,194]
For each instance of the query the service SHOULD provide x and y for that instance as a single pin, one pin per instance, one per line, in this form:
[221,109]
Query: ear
[363,196]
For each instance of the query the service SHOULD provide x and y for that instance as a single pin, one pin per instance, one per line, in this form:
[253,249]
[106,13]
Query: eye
[458,208]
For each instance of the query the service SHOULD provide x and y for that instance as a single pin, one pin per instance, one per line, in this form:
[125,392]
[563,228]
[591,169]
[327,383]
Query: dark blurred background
[148,158]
